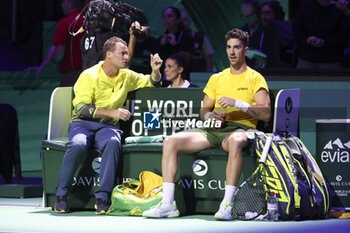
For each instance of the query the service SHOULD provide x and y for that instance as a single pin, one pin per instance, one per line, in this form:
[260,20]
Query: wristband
[206,116]
[155,83]
[242,105]
[87,111]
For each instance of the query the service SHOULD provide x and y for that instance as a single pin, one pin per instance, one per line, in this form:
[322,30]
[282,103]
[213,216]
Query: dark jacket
[328,23]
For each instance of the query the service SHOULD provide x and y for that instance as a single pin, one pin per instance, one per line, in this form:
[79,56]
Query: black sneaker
[101,206]
[61,205]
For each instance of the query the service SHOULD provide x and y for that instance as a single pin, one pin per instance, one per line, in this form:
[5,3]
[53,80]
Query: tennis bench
[201,175]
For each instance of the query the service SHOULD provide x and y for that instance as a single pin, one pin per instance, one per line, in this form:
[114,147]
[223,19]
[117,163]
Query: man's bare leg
[183,141]
[234,144]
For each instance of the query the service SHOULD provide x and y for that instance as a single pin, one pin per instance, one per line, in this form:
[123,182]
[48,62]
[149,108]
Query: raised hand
[156,62]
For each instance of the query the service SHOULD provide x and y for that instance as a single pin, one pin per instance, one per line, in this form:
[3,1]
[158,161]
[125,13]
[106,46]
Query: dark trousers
[82,135]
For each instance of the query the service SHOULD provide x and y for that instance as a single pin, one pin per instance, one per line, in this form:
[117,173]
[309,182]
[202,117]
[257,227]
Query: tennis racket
[250,199]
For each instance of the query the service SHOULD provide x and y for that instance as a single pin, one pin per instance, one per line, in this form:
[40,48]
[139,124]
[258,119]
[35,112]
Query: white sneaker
[162,210]
[225,212]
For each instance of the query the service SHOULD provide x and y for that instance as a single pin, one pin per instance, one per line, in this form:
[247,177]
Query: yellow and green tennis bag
[135,196]
[294,176]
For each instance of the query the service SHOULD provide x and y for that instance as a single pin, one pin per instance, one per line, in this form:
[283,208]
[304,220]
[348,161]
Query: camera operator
[105,19]
[140,48]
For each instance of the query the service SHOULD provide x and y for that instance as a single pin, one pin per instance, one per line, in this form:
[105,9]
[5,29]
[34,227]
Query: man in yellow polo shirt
[238,96]
[100,93]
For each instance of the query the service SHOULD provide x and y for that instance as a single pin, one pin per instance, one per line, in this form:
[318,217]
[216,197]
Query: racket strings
[250,198]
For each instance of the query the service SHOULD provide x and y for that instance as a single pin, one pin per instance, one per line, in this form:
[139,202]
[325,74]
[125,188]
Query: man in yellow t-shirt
[237,96]
[100,93]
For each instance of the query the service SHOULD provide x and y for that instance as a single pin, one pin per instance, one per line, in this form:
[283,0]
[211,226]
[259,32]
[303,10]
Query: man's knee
[76,149]
[113,144]
[79,140]
[237,140]
[78,145]
[171,143]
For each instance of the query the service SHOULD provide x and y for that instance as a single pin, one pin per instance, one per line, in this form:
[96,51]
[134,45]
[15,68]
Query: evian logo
[200,167]
[338,143]
[336,151]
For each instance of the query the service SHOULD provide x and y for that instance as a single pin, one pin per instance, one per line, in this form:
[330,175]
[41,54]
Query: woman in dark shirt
[175,40]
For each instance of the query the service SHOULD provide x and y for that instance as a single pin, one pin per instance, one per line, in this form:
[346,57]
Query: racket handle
[266,149]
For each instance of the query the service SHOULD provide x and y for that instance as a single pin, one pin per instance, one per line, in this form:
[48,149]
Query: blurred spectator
[251,13]
[202,57]
[175,39]
[270,41]
[21,34]
[65,49]
[271,10]
[342,5]
[176,72]
[321,31]
[277,36]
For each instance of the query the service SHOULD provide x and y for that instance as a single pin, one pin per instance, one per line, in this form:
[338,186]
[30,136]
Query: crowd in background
[317,37]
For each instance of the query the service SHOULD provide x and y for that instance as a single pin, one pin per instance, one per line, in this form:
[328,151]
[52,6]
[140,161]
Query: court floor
[28,215]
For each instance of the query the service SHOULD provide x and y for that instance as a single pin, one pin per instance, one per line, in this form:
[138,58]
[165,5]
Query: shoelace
[227,208]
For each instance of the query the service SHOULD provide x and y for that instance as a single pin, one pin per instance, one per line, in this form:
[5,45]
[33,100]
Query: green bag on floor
[135,196]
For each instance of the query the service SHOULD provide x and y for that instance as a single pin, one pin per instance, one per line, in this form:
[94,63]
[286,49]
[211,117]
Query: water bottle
[272,207]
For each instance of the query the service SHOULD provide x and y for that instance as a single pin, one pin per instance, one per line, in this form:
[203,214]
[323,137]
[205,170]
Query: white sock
[230,191]
[168,192]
